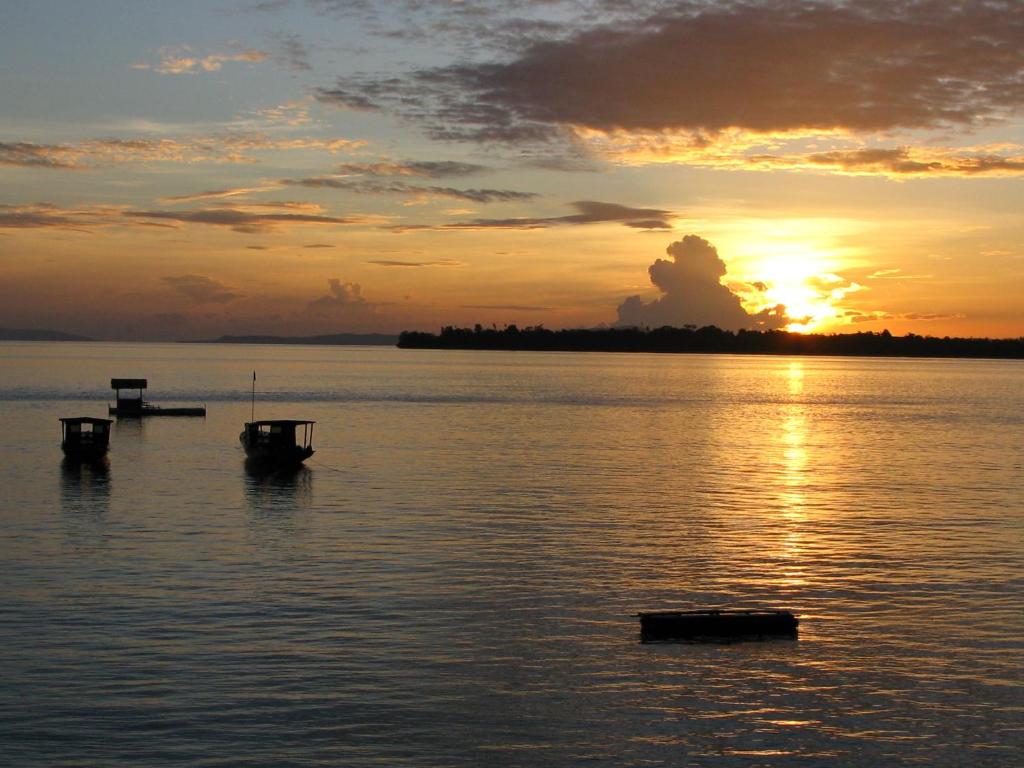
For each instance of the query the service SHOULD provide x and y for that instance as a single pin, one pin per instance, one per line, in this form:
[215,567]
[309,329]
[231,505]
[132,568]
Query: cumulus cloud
[343,298]
[412,192]
[693,294]
[180,60]
[588,212]
[200,289]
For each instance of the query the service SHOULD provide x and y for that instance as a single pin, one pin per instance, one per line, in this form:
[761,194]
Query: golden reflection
[793,491]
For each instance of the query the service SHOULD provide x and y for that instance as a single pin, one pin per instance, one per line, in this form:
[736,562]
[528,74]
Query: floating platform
[135,406]
[148,409]
[717,625]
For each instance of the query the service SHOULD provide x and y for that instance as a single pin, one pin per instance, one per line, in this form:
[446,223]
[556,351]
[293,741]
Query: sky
[174,171]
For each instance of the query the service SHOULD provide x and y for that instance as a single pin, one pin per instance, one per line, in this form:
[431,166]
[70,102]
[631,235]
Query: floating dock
[716,625]
[130,405]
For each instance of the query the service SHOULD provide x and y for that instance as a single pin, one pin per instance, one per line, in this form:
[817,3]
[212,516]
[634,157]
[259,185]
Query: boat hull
[716,625]
[84,452]
[274,456]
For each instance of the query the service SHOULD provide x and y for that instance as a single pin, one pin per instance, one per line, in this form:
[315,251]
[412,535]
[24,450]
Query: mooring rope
[325,466]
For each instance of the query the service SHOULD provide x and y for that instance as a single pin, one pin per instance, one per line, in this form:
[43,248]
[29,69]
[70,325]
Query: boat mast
[252,417]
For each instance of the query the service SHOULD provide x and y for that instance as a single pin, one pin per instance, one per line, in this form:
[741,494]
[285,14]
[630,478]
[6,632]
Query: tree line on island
[710,339]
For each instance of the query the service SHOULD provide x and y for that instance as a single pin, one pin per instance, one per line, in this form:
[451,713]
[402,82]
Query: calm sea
[453,579]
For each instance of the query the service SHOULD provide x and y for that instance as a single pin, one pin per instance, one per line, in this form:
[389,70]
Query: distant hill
[711,340]
[342,339]
[38,334]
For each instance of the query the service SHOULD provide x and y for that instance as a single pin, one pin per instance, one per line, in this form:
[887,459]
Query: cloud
[589,212]
[415,264]
[240,220]
[693,294]
[50,216]
[292,52]
[411,191]
[508,307]
[291,113]
[216,194]
[29,155]
[228,147]
[854,316]
[345,298]
[767,67]
[179,60]
[437,169]
[200,289]
[899,162]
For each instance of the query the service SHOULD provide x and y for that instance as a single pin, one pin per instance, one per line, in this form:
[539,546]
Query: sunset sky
[182,170]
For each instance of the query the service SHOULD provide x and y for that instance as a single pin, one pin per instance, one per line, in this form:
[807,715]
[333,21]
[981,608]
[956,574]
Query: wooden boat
[84,438]
[276,442]
[716,624]
[129,405]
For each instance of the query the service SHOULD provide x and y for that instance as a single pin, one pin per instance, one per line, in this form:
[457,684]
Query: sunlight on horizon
[798,267]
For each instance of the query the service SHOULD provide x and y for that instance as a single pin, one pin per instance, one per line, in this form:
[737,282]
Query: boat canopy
[279,422]
[128,383]
[84,420]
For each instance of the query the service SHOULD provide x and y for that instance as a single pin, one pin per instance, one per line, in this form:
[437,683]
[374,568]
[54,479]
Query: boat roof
[85,420]
[281,422]
[128,383]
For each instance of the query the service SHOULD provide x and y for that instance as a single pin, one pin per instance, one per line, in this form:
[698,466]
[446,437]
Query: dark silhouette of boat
[276,442]
[129,405]
[717,625]
[84,438]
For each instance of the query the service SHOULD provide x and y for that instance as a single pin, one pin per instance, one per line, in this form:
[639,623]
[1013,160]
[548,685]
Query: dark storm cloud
[589,212]
[369,187]
[693,294]
[201,289]
[240,221]
[763,66]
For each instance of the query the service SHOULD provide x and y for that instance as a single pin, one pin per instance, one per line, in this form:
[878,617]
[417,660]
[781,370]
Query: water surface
[452,579]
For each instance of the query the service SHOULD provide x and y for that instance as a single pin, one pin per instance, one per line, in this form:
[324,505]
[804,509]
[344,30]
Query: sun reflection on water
[793,488]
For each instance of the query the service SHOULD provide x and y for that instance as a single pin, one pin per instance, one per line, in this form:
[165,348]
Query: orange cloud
[588,212]
[240,220]
[229,147]
[178,60]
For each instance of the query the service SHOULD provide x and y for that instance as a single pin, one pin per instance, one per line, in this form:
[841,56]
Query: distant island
[350,339]
[38,334]
[710,339]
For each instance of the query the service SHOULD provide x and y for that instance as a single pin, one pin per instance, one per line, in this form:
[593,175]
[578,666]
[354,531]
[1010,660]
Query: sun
[804,279]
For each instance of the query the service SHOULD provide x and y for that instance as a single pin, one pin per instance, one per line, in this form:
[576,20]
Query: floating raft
[716,625]
[128,405]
